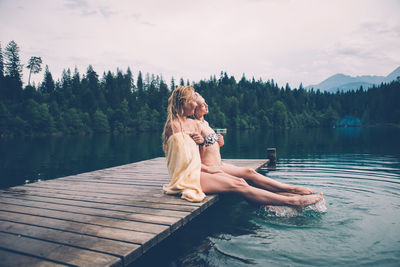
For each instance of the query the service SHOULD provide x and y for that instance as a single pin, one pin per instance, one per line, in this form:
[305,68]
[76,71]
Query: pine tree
[48,85]
[93,81]
[76,82]
[13,63]
[147,81]
[92,97]
[34,65]
[66,84]
[173,83]
[139,85]
[129,81]
[1,64]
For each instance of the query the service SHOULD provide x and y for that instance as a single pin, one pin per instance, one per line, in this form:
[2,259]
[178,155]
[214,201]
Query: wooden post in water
[271,155]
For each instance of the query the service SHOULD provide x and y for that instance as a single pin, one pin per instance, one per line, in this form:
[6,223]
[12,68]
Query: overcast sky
[290,41]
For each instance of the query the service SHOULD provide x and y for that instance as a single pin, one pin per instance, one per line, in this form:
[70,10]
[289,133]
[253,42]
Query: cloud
[81,6]
[106,11]
[76,4]
[370,47]
[87,9]
[137,18]
[379,28]
[348,51]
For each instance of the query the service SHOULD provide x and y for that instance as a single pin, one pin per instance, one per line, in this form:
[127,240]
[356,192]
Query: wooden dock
[108,217]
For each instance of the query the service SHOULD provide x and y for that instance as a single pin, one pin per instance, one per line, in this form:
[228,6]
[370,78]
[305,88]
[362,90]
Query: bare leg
[278,208]
[286,194]
[223,182]
[262,181]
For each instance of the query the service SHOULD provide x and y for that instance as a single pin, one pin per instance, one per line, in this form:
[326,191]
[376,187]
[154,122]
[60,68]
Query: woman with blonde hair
[179,143]
[181,137]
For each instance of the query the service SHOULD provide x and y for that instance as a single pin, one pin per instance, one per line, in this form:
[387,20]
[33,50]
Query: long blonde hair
[176,101]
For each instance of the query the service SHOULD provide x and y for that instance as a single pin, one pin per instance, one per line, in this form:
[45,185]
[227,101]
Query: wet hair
[176,101]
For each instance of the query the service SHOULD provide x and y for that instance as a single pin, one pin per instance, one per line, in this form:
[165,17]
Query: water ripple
[362,198]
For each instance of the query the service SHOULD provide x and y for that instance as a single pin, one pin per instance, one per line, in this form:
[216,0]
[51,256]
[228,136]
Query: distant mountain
[345,82]
[393,75]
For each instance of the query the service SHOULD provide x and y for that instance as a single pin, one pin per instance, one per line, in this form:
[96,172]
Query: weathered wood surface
[108,217]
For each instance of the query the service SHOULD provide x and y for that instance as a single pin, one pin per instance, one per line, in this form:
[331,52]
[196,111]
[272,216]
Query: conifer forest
[85,103]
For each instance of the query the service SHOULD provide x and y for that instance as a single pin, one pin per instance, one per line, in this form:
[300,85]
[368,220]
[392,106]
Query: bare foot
[303,201]
[301,190]
[273,208]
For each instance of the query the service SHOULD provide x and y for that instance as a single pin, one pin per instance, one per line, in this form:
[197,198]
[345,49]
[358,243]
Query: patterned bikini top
[210,139]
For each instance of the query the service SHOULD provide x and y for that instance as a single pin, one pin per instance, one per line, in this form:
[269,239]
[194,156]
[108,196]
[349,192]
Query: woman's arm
[220,140]
[197,135]
[197,138]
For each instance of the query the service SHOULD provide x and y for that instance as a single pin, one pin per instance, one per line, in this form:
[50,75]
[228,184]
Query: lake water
[358,169]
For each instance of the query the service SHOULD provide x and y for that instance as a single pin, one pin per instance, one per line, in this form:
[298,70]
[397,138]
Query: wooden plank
[126,251]
[147,208]
[156,198]
[114,189]
[173,222]
[57,252]
[134,192]
[158,174]
[103,206]
[129,236]
[144,196]
[11,258]
[98,199]
[102,197]
[143,214]
[111,181]
[89,219]
[110,187]
[133,177]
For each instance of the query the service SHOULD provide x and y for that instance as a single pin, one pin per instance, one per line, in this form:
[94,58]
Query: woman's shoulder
[171,128]
[205,126]
[195,122]
[175,126]
[198,126]
[188,126]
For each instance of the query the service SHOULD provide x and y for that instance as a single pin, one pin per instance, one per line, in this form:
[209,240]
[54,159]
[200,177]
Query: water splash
[289,212]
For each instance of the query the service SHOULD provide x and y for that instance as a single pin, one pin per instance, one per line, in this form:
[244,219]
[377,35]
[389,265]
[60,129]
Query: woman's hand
[221,140]
[197,138]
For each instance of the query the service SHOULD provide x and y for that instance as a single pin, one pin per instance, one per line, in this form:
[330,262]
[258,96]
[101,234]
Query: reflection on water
[358,169]
[35,158]
[301,142]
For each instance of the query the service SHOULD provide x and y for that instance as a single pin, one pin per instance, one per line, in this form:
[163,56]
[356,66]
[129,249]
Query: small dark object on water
[271,155]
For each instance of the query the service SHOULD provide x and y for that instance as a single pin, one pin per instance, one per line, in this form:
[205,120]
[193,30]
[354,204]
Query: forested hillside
[115,102]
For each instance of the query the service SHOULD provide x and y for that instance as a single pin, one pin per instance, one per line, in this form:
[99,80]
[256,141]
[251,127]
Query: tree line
[115,102]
